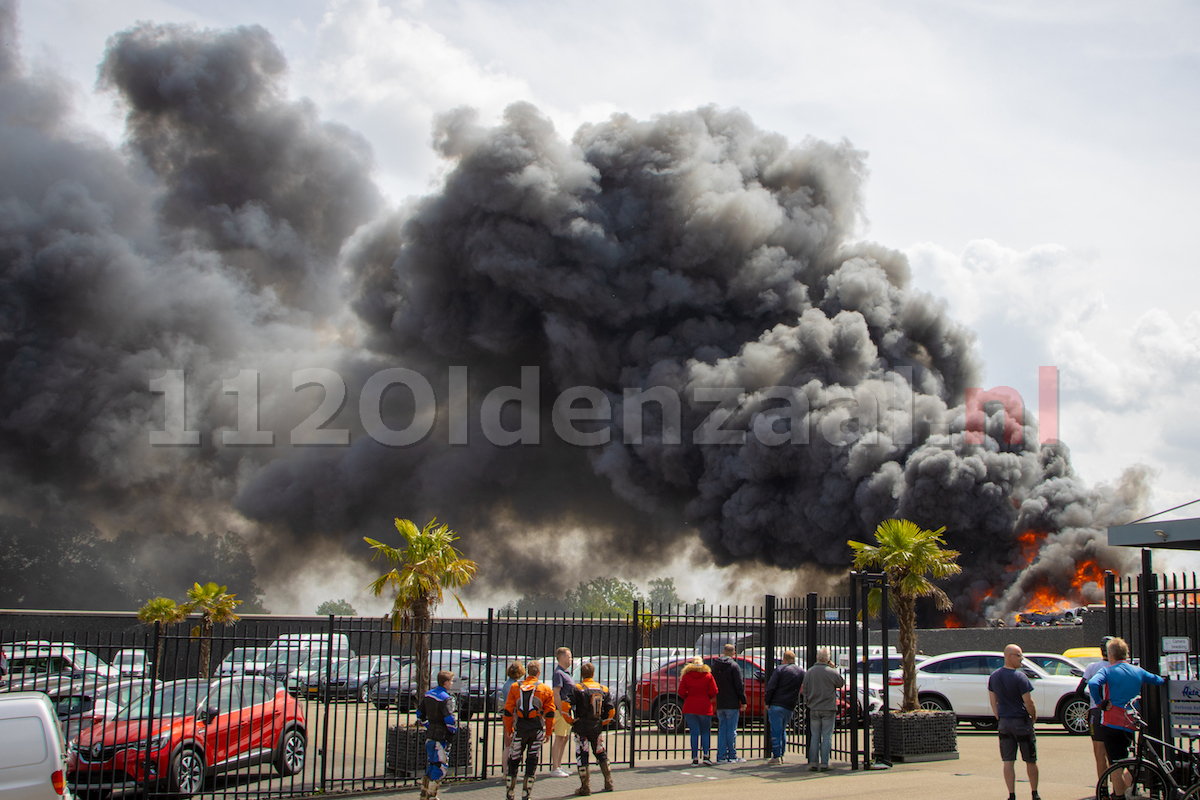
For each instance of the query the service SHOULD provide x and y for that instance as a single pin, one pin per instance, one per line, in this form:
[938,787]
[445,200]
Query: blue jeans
[698,725]
[779,718]
[727,721]
[820,743]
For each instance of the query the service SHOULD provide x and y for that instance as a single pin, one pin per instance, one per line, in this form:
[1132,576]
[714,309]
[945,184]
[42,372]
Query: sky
[1038,163]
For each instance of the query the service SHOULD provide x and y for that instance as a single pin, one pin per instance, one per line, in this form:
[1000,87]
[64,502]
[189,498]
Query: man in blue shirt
[1012,702]
[1113,688]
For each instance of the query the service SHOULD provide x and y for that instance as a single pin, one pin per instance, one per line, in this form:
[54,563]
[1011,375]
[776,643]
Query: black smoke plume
[236,230]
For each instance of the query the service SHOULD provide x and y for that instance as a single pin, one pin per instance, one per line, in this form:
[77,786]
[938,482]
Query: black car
[353,679]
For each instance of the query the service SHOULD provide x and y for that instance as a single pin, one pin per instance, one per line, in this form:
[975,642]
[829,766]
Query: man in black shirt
[1011,694]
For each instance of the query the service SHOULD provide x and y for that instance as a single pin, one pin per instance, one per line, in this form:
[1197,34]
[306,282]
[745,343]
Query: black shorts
[1116,743]
[1094,726]
[1017,733]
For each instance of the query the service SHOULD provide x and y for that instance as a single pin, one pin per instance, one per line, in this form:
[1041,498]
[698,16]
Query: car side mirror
[209,714]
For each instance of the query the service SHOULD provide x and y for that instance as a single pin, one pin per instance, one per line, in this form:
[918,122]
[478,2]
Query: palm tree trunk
[906,614]
[162,645]
[420,613]
[205,647]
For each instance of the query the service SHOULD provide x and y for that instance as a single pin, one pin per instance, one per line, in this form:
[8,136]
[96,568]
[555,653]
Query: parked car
[655,697]
[130,663]
[352,678]
[304,680]
[65,660]
[398,685]
[1054,664]
[192,729]
[33,754]
[958,682]
[1084,655]
[242,659]
[84,706]
[713,644]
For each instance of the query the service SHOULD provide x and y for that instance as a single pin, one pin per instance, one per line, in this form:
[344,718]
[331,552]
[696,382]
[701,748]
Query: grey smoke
[237,230]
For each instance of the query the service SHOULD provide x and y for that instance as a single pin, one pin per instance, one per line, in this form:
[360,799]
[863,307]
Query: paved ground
[1067,773]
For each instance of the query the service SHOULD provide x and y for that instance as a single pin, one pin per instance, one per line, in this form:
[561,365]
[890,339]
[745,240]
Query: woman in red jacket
[697,689]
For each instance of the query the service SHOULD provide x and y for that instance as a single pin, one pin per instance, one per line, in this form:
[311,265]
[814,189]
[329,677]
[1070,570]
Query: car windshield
[178,699]
[351,667]
[243,655]
[129,659]
[87,660]
[286,658]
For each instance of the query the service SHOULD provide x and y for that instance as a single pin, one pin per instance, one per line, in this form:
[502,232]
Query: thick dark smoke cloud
[692,251]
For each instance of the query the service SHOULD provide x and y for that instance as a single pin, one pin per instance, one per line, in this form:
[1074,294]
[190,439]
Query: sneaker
[737,761]
[708,761]
[722,760]
[559,773]
[773,761]
[695,762]
[812,767]
[824,768]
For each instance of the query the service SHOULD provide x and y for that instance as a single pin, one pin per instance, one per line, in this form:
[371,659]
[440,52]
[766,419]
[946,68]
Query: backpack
[528,713]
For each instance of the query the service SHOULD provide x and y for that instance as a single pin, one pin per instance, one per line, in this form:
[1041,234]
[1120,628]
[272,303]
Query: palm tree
[216,606]
[161,611]
[427,565]
[910,557]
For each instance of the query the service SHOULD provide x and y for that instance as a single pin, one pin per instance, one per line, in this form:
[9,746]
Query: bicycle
[1150,775]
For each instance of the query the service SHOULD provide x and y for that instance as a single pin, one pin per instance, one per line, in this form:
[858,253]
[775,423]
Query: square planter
[405,751]
[916,736]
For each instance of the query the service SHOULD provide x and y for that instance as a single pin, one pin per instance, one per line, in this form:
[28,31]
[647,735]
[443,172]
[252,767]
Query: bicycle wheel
[1147,779]
[1193,793]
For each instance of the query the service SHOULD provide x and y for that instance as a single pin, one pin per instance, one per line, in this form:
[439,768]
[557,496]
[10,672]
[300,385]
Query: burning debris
[692,253]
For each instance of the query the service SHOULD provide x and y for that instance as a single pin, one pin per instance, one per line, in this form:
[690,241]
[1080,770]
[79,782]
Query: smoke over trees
[692,254]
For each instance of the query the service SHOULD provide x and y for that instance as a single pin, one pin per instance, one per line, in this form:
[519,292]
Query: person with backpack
[588,709]
[529,719]
[436,715]
[731,699]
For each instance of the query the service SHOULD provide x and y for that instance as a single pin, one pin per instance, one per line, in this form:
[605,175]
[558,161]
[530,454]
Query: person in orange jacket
[697,690]
[529,719]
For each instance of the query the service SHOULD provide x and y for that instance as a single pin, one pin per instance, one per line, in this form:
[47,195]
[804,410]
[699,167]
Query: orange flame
[952,621]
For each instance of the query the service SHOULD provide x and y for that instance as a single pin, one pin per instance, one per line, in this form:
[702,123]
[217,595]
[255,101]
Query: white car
[958,682]
[1056,664]
[130,663]
[61,659]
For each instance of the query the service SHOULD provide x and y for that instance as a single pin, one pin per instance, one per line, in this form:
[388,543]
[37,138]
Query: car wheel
[932,703]
[668,715]
[1074,716]
[382,706]
[187,772]
[364,693]
[985,725]
[621,720]
[289,758]
[796,723]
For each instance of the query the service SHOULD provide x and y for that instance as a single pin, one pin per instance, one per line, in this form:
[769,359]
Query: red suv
[193,729]
[655,695]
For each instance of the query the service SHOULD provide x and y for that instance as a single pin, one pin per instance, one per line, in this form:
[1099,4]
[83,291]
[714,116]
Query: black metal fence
[1146,610]
[268,708]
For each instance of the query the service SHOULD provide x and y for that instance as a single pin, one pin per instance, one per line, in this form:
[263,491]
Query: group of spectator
[1112,684]
[721,689]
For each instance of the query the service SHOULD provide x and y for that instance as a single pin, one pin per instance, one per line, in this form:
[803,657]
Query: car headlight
[73,746]
[155,742]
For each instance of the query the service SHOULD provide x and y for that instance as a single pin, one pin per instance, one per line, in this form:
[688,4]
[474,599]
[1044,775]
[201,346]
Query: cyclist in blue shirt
[1113,688]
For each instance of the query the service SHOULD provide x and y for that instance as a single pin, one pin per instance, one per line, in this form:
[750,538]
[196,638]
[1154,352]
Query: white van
[33,758]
